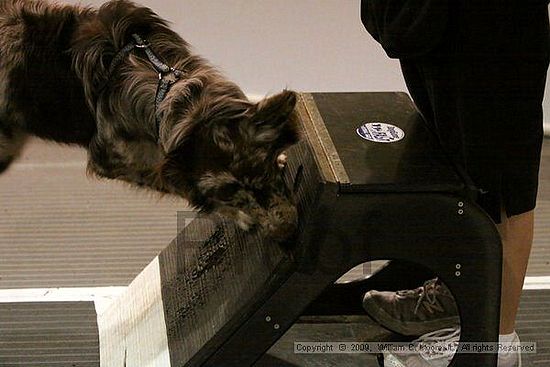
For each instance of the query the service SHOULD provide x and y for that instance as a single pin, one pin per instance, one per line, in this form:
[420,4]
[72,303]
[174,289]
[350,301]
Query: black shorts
[482,94]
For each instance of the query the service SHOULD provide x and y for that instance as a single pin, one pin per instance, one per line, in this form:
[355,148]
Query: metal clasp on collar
[145,44]
[140,42]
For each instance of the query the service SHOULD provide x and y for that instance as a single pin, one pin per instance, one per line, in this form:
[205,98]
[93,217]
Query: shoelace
[438,344]
[429,292]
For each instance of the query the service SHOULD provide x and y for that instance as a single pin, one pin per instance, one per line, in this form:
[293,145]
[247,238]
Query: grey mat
[61,334]
[533,325]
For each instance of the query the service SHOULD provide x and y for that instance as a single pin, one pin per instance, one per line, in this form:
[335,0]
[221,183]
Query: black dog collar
[167,75]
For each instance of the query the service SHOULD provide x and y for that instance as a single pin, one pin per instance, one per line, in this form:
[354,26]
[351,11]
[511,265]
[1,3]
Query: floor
[59,228]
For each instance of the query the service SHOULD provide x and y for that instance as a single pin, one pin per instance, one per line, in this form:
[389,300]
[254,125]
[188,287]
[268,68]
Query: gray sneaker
[413,312]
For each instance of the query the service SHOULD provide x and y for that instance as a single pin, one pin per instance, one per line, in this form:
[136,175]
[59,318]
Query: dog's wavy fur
[213,146]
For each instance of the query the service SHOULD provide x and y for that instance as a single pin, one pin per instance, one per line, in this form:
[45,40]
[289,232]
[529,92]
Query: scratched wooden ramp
[190,298]
[211,277]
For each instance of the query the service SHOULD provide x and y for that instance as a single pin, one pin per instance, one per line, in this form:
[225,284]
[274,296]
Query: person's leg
[517,238]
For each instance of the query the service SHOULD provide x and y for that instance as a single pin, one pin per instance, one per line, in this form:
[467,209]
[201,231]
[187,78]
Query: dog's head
[229,161]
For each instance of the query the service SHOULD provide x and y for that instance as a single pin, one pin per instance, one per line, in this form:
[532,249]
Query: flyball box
[370,182]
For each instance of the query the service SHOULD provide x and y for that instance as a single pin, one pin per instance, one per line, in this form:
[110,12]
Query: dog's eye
[226,192]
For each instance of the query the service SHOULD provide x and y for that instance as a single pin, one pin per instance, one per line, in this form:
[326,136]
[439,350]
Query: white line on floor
[536,283]
[101,296]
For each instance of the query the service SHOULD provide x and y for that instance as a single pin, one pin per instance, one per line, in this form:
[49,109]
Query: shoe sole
[407,328]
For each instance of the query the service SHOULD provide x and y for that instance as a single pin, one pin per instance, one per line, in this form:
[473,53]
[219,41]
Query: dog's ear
[276,122]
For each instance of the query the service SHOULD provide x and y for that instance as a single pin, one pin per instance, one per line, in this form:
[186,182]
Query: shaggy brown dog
[78,76]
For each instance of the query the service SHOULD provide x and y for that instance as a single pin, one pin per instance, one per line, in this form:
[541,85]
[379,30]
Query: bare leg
[517,238]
